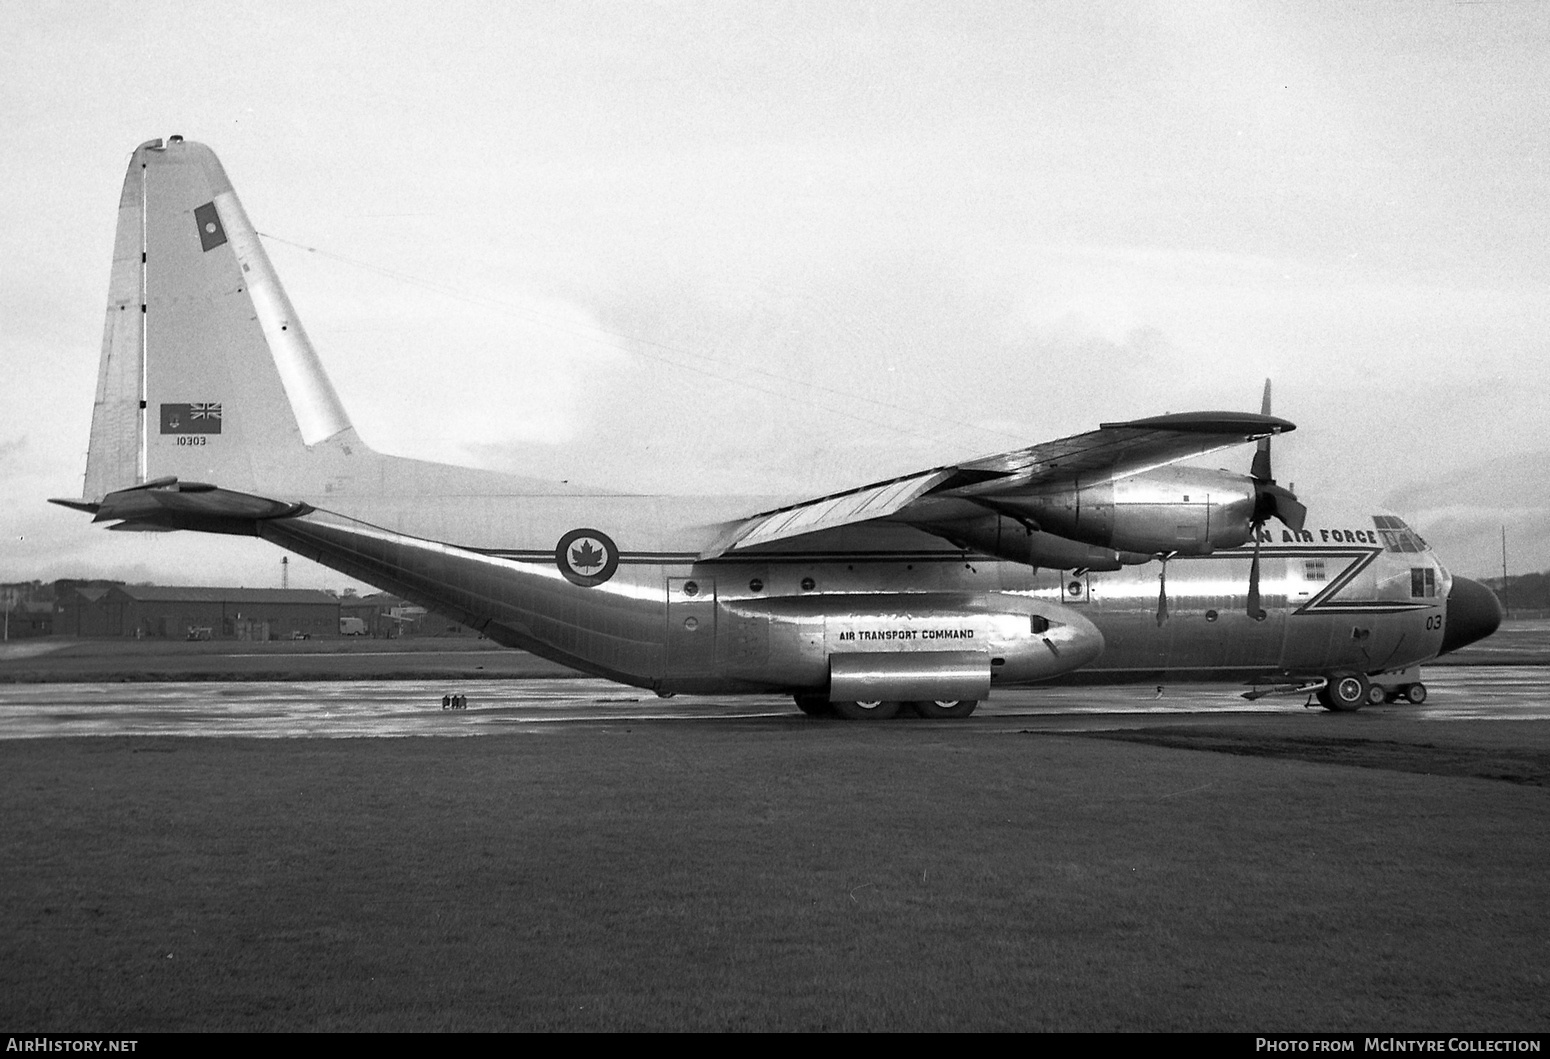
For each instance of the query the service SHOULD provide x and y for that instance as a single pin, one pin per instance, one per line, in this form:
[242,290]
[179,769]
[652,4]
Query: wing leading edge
[1114,450]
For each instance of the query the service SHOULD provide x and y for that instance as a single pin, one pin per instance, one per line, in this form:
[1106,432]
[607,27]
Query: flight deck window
[1397,537]
[1423,583]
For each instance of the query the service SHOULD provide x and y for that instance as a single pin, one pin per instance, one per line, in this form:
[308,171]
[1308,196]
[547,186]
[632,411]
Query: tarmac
[333,709]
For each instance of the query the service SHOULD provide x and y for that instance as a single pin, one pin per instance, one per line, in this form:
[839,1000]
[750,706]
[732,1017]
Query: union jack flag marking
[203,417]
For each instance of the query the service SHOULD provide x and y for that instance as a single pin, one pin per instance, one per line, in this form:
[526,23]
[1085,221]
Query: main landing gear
[816,704]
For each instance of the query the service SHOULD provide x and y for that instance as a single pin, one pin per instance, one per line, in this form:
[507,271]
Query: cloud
[1463,513]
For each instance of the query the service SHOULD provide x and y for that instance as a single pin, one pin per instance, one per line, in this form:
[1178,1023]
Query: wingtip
[1247,423]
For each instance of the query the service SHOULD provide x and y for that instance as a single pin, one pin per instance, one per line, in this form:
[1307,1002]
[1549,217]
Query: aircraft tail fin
[206,373]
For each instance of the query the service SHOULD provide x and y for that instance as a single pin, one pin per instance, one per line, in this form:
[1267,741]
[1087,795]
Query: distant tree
[1523,591]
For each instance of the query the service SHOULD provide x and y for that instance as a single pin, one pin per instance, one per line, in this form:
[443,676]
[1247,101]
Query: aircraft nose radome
[1473,614]
[1083,642]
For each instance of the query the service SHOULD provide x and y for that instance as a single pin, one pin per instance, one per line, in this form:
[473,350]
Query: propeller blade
[1277,500]
[1162,594]
[1260,470]
[1269,500]
[1255,611]
[1291,511]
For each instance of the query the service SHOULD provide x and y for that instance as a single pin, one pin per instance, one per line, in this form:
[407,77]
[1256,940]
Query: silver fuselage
[771,619]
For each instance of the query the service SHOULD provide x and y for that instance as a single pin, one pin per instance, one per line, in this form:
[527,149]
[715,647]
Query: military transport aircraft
[1093,558]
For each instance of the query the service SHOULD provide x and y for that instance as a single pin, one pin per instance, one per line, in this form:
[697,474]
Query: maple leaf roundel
[587,557]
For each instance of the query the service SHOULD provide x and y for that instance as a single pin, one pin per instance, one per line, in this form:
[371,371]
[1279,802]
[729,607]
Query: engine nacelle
[1178,509]
[1006,538]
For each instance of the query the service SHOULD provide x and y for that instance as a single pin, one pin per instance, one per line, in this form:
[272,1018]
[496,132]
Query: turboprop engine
[1013,538]
[1183,510]
[1179,510]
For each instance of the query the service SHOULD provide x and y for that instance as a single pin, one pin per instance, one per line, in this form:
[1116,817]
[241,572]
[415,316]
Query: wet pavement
[396,708]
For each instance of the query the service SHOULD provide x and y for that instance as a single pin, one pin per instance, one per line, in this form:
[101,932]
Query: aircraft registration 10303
[1097,558]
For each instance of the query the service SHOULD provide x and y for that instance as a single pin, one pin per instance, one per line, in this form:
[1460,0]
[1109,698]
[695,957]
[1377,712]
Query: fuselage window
[1423,583]
[1313,569]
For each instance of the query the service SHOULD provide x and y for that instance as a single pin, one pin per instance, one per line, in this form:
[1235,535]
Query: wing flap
[829,512]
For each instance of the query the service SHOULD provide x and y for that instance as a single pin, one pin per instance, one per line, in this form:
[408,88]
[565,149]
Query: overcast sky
[788,248]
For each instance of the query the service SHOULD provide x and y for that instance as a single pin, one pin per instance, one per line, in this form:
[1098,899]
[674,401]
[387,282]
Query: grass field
[780,875]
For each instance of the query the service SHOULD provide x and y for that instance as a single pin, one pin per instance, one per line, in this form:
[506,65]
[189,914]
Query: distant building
[387,617]
[22,619]
[187,613]
[27,609]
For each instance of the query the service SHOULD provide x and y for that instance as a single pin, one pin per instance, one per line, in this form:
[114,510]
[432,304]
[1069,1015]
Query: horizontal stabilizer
[87,506]
[170,504]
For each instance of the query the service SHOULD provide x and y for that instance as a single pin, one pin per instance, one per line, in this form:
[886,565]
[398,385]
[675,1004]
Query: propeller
[1270,501]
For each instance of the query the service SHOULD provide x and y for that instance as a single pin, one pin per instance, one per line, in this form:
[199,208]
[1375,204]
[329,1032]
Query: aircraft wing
[1114,450]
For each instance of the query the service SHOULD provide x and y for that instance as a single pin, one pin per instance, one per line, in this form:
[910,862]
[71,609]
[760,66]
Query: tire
[1377,695]
[867,711]
[1345,692]
[939,709]
[814,703]
[1415,694]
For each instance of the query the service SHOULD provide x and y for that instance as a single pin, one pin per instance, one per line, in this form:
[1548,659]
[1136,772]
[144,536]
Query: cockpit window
[1398,537]
[1423,583]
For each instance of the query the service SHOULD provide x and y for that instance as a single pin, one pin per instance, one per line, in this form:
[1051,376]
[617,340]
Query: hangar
[191,613]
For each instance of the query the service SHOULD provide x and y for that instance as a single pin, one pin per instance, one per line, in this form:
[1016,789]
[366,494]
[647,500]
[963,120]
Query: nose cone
[1070,641]
[1473,614]
[1077,639]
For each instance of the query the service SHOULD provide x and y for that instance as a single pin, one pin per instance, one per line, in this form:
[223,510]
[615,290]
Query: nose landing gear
[1415,693]
[1345,692]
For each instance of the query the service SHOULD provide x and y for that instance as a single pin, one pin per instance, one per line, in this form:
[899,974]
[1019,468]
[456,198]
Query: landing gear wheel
[938,709]
[1416,693]
[814,703]
[867,711]
[1377,695]
[1345,692]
